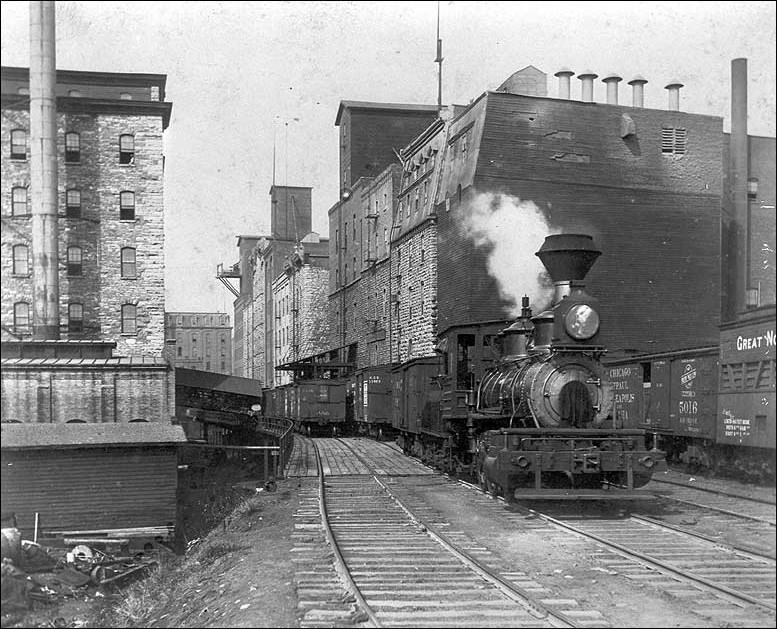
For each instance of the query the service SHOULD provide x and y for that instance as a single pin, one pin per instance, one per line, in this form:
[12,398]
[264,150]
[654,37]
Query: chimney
[738,173]
[674,95]
[587,78]
[638,91]
[563,82]
[611,81]
[43,172]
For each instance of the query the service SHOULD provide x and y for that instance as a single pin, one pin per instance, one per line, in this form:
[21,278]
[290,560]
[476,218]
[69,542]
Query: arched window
[75,318]
[73,203]
[21,260]
[75,261]
[127,206]
[128,265]
[19,201]
[129,319]
[21,317]
[18,144]
[125,96]
[126,149]
[72,147]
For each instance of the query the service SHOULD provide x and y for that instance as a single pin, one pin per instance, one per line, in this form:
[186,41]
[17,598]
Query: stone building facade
[200,340]
[111,218]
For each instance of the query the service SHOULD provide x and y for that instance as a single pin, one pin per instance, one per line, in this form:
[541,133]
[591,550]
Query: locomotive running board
[588,494]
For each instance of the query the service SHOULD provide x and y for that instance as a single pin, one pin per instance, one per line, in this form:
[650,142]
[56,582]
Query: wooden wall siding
[90,488]
[460,168]
[374,135]
[657,219]
[528,137]
[658,278]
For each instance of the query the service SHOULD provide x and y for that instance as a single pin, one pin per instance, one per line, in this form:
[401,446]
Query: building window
[127,206]
[21,318]
[180,351]
[75,261]
[19,201]
[125,96]
[345,236]
[75,318]
[21,262]
[674,141]
[126,149]
[18,144]
[74,94]
[128,265]
[129,319]
[72,147]
[73,203]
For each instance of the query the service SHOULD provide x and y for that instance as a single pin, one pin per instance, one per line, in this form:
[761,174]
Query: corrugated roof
[144,362]
[34,435]
[217,382]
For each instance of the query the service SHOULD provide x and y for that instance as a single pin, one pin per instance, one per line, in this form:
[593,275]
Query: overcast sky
[239,73]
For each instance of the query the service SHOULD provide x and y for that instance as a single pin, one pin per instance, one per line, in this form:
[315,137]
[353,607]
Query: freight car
[711,408]
[316,406]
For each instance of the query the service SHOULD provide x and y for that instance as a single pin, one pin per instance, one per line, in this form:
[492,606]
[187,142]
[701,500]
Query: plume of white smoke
[514,230]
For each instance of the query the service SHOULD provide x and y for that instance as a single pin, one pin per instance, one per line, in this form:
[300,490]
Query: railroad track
[399,570]
[717,580]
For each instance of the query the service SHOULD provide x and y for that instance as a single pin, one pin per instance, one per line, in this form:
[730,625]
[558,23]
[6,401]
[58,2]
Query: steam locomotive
[524,407]
[546,409]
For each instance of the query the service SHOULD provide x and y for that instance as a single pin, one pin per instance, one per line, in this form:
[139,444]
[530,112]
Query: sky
[243,76]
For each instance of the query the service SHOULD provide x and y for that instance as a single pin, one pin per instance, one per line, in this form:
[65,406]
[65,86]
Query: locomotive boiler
[543,421]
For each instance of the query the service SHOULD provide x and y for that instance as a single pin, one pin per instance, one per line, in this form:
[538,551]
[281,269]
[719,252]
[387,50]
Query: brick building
[361,224]
[111,212]
[199,340]
[279,315]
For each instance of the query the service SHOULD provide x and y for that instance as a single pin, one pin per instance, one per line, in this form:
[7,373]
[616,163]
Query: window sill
[21,275]
[128,334]
[132,279]
[18,160]
[128,220]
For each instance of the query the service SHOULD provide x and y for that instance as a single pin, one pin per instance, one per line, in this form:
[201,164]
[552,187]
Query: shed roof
[34,435]
[137,362]
[357,104]
[217,382]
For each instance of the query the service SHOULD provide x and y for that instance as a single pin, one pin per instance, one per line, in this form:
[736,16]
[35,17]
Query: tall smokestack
[674,95]
[638,91]
[43,172]
[587,88]
[611,81]
[563,82]
[738,165]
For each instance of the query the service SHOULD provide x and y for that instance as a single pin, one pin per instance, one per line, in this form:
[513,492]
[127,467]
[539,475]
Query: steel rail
[743,516]
[657,563]
[720,492]
[510,590]
[340,566]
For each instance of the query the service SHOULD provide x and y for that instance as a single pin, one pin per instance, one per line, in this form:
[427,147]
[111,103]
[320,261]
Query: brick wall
[414,317]
[99,232]
[94,395]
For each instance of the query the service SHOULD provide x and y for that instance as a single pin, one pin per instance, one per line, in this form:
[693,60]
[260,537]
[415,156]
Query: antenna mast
[438,60]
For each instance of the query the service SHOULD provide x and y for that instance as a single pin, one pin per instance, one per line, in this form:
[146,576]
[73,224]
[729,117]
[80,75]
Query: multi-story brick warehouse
[199,340]
[279,312]
[111,221]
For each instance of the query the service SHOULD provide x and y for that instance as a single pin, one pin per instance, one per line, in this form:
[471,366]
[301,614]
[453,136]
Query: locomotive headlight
[581,322]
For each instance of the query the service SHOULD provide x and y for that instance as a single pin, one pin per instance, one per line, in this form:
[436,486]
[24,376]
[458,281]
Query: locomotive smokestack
[43,172]
[567,258]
